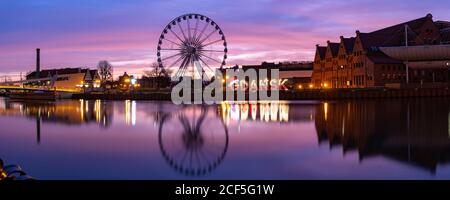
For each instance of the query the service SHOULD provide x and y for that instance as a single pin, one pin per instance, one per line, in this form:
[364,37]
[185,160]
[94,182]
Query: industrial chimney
[38,62]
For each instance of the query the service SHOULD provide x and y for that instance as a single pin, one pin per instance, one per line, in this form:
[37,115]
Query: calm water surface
[376,139]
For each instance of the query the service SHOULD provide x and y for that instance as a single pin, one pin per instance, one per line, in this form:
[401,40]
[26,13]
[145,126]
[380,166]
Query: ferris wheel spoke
[186,66]
[176,35]
[180,69]
[201,33]
[207,50]
[209,35]
[173,42]
[205,64]
[171,49]
[196,27]
[178,54]
[213,59]
[178,60]
[189,28]
[207,44]
[182,32]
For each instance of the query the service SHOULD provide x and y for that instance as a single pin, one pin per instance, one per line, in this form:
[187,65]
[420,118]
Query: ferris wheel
[191,45]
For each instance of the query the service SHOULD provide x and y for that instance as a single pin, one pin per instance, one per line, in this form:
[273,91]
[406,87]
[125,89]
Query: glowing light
[244,111]
[311,85]
[127,112]
[82,109]
[300,86]
[325,110]
[133,81]
[284,112]
[133,113]
[97,110]
[235,112]
[254,109]
[325,85]
[2,174]
[274,112]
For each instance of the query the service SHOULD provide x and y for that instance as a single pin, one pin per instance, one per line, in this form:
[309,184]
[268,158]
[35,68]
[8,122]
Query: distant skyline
[80,33]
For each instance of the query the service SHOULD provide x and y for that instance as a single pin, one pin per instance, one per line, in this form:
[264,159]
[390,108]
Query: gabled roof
[393,35]
[321,50]
[334,48]
[348,44]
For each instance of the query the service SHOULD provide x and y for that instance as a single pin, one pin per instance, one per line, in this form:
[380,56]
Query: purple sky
[80,33]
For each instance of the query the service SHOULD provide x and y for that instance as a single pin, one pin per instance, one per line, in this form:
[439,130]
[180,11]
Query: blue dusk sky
[82,32]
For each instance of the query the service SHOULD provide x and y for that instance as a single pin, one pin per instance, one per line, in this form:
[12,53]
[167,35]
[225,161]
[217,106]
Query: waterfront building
[126,82]
[65,78]
[291,74]
[414,53]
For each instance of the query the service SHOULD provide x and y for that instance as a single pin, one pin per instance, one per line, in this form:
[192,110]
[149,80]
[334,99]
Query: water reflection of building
[65,112]
[130,112]
[411,131]
[265,111]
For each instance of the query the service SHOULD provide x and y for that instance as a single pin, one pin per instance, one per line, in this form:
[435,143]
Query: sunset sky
[82,32]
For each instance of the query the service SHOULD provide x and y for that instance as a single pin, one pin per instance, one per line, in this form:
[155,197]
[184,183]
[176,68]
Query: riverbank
[324,94]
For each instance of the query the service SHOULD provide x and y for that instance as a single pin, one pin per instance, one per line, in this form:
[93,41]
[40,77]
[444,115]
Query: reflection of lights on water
[273,111]
[284,112]
[264,112]
[133,113]
[87,106]
[254,109]
[97,110]
[82,109]
[130,112]
[234,112]
[127,112]
[244,111]
[325,110]
[449,125]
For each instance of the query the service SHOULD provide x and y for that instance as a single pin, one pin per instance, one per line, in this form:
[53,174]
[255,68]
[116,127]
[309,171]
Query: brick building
[383,58]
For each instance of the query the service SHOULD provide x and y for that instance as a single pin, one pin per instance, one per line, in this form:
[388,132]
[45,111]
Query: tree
[105,71]
[159,77]
[155,71]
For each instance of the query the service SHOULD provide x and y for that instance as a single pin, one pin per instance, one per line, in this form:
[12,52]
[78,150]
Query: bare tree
[155,71]
[158,76]
[105,71]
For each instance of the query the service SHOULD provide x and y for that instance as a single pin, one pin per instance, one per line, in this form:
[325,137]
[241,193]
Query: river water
[370,139]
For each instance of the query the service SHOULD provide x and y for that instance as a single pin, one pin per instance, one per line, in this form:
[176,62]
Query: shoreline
[323,94]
